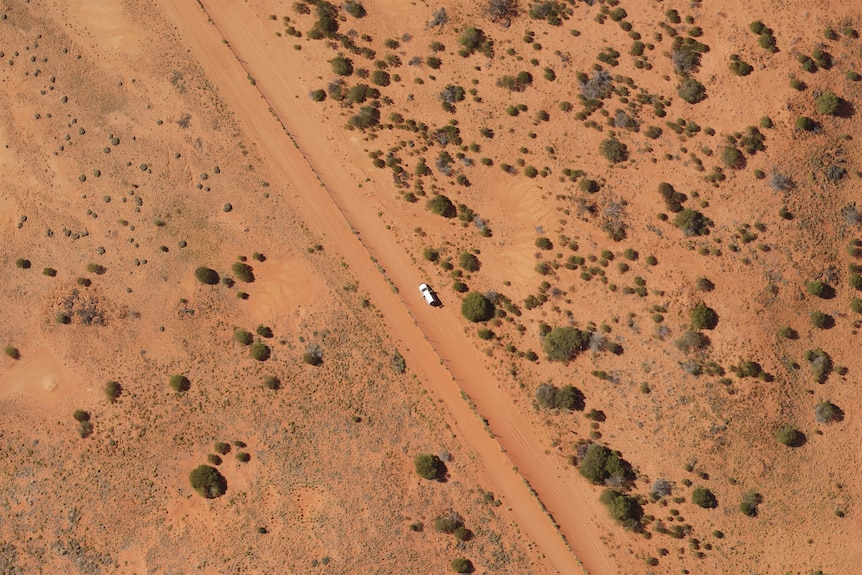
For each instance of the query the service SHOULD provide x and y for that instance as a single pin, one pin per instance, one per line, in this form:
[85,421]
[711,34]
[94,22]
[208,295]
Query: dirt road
[426,335]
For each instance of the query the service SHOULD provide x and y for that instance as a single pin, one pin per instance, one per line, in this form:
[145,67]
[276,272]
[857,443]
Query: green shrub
[691,91]
[856,304]
[317,95]
[12,351]
[805,123]
[704,498]
[469,262]
[544,243]
[113,390]
[749,503]
[819,362]
[732,157]
[214,459]
[531,171]
[476,307]
[427,466]
[826,103]
[207,276]
[380,78]
[613,150]
[827,412]
[264,331]
[260,351]
[179,383]
[221,447]
[600,465]
[564,343]
[757,27]
[820,320]
[461,565]
[22,264]
[798,84]
[85,429]
[442,206]
[819,289]
[341,66]
[853,76]
[703,317]
[624,509]
[789,436]
[208,482]
[243,272]
[95,268]
[354,8]
[243,336]
[50,272]
[243,457]
[692,222]
[272,382]
[367,117]
[80,415]
[313,355]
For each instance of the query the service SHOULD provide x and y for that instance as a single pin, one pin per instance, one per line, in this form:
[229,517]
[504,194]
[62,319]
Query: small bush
[442,206]
[805,123]
[600,464]
[341,66]
[821,320]
[732,157]
[427,466]
[243,272]
[748,505]
[113,390]
[565,343]
[313,355]
[691,91]
[221,447]
[826,103]
[544,243]
[243,457]
[354,8]
[23,264]
[179,383]
[80,416]
[704,498]
[461,565]
[789,436]
[469,262]
[272,382]
[819,289]
[214,459]
[477,308]
[243,336]
[827,412]
[624,509]
[692,222]
[260,351]
[317,95]
[703,317]
[207,276]
[50,272]
[208,482]
[12,351]
[613,150]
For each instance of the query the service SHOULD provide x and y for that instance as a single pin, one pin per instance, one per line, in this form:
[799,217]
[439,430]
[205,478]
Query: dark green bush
[692,222]
[691,91]
[789,436]
[704,498]
[624,509]
[341,66]
[354,8]
[113,390]
[221,447]
[179,383]
[613,150]
[208,482]
[476,307]
[243,336]
[749,503]
[732,157]
[50,272]
[214,459]
[243,457]
[243,272]
[207,276]
[821,320]
[95,268]
[427,466]
[819,289]
[703,317]
[544,243]
[12,351]
[442,206]
[317,95]
[80,415]
[469,262]
[264,331]
[260,351]
[600,465]
[565,343]
[22,264]
[805,123]
[461,565]
[826,103]
[367,117]
[819,362]
[272,382]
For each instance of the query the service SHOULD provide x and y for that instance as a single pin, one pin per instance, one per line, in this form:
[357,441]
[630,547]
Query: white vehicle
[429,295]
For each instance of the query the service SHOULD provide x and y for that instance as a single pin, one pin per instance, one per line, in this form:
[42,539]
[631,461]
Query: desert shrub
[113,390]
[704,498]
[313,355]
[531,171]
[80,416]
[544,243]
[23,264]
[732,157]
[473,39]
[661,488]
[85,429]
[703,317]
[805,123]
[355,9]
[787,332]
[341,66]
[427,465]
[856,304]
[367,117]
[672,199]
[179,383]
[50,272]
[564,343]
[819,362]
[820,320]
[442,206]
[431,254]
[12,351]
[326,25]
[822,58]
[469,262]
[826,103]
[748,505]
[399,364]
[692,341]
[272,382]
[502,9]
[221,447]
[600,465]
[704,284]
[318,95]
[243,457]
[569,398]
[740,67]
[757,27]
[827,412]
[476,307]
[691,91]
[95,268]
[798,84]
[214,459]
[613,150]
[546,395]
[264,331]
[692,222]
[207,276]
[260,351]
[243,272]
[819,289]
[243,336]
[624,509]
[208,482]
[461,565]
[853,76]
[789,436]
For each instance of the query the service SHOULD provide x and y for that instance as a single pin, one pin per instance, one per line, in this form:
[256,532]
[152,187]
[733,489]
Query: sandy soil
[151,138]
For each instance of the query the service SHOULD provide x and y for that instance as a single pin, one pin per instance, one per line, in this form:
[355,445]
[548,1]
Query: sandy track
[427,335]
